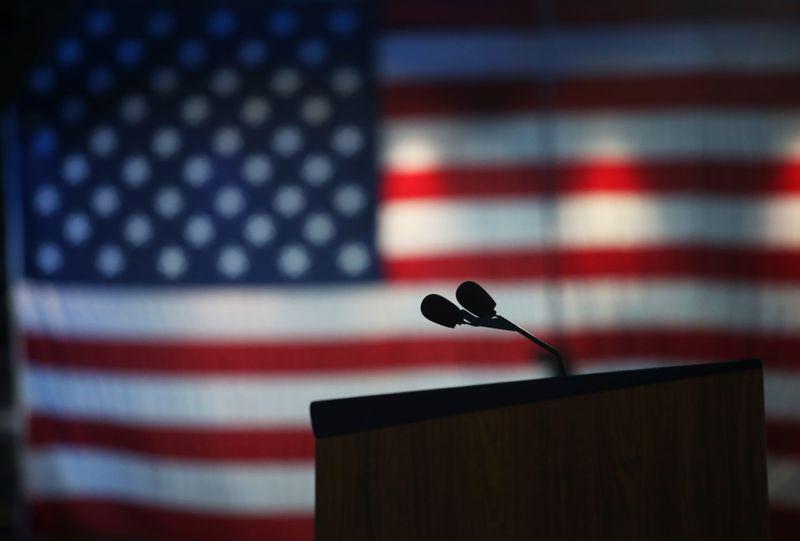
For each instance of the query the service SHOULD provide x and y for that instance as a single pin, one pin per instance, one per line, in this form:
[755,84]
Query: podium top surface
[349,415]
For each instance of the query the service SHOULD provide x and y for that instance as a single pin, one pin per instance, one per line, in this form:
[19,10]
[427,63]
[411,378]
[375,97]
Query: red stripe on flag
[504,350]
[679,90]
[229,443]
[579,11]
[473,97]
[479,182]
[418,14]
[783,438]
[777,351]
[784,523]
[635,263]
[105,518]
[706,177]
[270,357]
[623,92]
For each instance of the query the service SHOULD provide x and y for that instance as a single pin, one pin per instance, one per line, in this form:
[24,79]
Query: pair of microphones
[479,311]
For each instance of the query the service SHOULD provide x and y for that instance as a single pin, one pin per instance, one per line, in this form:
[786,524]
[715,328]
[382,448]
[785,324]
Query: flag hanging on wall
[223,211]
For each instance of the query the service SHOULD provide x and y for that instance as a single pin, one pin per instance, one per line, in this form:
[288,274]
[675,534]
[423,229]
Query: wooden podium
[660,454]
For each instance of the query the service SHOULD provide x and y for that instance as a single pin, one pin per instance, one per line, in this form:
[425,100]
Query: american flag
[226,210]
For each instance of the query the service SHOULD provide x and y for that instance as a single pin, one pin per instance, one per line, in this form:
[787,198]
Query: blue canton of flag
[235,146]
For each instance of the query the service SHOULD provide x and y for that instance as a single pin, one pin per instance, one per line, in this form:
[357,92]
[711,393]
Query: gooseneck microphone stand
[499,322]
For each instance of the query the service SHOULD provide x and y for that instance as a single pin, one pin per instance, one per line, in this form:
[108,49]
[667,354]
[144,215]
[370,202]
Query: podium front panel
[681,459]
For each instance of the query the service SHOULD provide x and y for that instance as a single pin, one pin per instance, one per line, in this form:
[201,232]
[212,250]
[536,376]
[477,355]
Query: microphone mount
[499,322]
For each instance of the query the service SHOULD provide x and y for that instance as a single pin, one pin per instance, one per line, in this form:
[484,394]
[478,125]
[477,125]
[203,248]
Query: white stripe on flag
[284,488]
[229,400]
[274,401]
[618,49]
[435,227]
[331,314]
[430,143]
[784,481]
[69,472]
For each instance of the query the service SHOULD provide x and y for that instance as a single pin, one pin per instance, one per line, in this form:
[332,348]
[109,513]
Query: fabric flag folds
[224,211]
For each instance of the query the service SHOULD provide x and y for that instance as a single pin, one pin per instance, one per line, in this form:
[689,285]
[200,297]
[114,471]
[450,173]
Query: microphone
[443,312]
[480,312]
[439,310]
[475,299]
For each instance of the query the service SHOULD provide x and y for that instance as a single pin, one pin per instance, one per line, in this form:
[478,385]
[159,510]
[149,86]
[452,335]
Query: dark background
[26,27]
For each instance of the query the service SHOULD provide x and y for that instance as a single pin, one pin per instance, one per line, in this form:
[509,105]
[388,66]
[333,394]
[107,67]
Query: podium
[669,454]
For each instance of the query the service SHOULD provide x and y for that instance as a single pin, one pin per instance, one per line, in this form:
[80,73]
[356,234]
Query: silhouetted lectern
[661,454]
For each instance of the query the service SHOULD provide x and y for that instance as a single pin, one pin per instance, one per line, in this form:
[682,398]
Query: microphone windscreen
[475,299]
[439,310]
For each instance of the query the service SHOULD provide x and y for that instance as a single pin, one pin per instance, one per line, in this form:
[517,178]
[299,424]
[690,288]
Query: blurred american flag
[227,210]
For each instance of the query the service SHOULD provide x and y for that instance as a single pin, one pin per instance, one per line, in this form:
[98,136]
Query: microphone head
[475,299]
[439,310]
